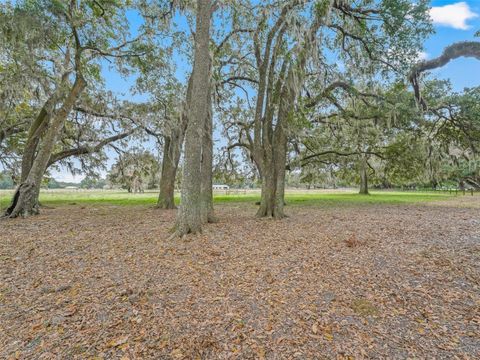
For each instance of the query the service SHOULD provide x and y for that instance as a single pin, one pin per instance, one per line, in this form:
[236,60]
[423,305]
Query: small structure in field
[220,187]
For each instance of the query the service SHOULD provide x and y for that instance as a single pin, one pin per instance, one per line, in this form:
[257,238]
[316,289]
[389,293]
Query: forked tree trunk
[25,199]
[273,179]
[189,218]
[363,177]
[275,159]
[269,145]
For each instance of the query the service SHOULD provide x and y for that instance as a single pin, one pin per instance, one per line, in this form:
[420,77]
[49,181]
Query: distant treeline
[7,182]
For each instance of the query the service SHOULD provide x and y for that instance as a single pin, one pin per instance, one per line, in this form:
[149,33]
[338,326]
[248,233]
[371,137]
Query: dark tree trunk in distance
[171,156]
[172,151]
[363,177]
[167,180]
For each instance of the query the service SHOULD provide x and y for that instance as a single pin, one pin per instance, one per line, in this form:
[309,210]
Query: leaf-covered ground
[360,281]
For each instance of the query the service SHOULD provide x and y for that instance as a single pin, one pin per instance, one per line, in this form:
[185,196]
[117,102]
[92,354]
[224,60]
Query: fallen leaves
[244,288]
[118,341]
[70,310]
[364,307]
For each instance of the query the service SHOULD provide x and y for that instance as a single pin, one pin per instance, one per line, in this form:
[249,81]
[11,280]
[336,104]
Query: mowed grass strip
[123,198]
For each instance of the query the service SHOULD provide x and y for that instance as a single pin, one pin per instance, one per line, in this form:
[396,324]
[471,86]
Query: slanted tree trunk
[363,176]
[34,135]
[189,218]
[25,199]
[41,122]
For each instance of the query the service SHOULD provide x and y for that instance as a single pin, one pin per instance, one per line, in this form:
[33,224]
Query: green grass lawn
[111,197]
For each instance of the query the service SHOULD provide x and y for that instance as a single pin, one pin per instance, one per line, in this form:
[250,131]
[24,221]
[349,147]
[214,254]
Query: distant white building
[220,187]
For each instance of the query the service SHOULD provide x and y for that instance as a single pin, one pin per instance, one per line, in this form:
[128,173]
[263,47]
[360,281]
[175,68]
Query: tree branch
[83,150]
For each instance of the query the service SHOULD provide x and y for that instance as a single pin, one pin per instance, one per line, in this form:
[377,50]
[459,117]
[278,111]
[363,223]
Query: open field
[304,197]
[386,276]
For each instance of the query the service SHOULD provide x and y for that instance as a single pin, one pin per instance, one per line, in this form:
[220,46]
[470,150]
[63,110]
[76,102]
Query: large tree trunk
[35,134]
[25,199]
[363,176]
[280,165]
[189,218]
[269,185]
[273,180]
[207,164]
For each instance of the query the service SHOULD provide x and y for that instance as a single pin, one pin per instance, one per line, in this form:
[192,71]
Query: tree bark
[172,150]
[273,170]
[363,177]
[189,215]
[280,161]
[269,185]
[34,135]
[207,213]
[25,199]
[169,173]
[167,180]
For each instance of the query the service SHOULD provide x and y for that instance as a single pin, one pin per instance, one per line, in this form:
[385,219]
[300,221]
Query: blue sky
[453,21]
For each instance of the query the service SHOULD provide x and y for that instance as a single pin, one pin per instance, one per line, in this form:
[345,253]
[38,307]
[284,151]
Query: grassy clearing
[314,197]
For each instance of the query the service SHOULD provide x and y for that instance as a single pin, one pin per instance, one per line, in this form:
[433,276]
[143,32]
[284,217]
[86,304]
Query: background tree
[68,57]
[134,171]
[359,36]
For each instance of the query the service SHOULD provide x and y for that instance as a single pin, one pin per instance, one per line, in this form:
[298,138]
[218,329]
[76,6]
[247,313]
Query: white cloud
[422,55]
[454,15]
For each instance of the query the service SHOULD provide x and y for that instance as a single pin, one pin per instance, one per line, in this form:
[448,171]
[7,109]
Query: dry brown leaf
[118,341]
